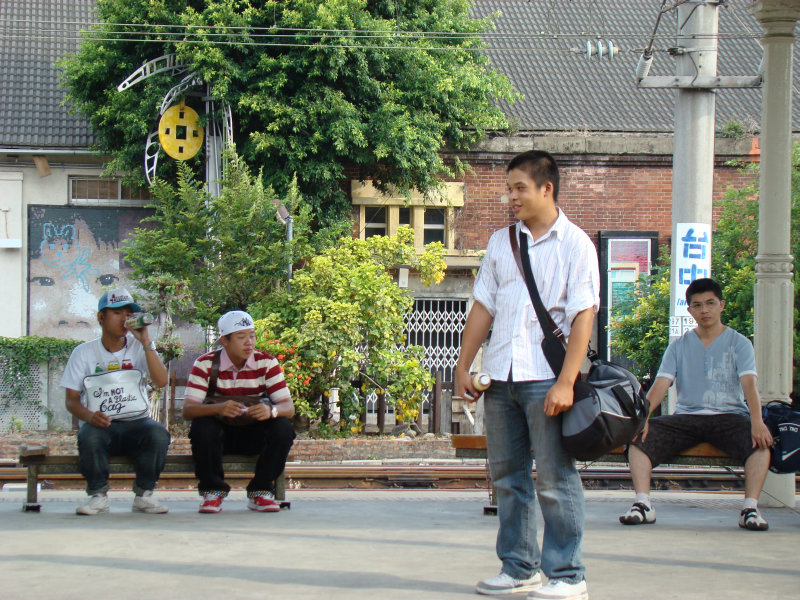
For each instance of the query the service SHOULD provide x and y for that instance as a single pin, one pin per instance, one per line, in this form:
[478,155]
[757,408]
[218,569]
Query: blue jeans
[144,440]
[515,424]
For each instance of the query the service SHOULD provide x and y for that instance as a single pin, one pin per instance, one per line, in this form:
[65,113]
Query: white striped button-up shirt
[564,263]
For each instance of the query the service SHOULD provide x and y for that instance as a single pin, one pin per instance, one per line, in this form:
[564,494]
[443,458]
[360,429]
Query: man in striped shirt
[217,428]
[525,399]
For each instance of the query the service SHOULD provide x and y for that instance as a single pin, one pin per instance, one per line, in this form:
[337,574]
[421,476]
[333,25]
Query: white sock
[644,499]
[750,503]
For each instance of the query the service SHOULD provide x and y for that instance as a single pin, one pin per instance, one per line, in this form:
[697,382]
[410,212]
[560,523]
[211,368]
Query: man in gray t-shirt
[708,379]
[713,368]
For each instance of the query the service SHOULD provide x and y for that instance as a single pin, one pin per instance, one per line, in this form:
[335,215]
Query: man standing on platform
[525,400]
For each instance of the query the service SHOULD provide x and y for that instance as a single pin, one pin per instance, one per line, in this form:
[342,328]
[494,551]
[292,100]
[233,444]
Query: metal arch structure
[151,157]
[227,119]
[168,62]
[187,83]
[217,137]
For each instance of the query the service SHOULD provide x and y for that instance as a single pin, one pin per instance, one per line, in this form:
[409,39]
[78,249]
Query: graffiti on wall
[73,256]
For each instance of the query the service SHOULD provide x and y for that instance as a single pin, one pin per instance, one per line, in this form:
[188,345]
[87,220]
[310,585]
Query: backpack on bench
[784,425]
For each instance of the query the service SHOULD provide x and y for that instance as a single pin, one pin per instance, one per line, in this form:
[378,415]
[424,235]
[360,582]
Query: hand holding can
[481,383]
[139,320]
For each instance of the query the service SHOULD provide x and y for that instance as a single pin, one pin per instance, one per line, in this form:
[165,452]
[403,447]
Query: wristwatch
[274,411]
[150,346]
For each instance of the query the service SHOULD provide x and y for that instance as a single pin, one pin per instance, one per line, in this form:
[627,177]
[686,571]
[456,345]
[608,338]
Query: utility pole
[692,161]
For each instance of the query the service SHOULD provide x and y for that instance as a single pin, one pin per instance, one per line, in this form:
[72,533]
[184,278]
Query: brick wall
[598,192]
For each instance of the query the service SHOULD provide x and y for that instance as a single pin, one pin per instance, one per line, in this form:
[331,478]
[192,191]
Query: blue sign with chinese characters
[692,260]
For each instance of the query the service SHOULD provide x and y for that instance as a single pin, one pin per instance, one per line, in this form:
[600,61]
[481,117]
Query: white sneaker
[505,584]
[94,505]
[147,504]
[558,589]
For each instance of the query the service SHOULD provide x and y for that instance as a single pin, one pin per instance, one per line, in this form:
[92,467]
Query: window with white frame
[105,191]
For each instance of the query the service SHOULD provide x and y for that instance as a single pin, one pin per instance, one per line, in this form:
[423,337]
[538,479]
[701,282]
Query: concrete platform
[381,544]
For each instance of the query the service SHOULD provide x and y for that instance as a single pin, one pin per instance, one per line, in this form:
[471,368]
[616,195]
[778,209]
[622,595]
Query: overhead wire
[103,30]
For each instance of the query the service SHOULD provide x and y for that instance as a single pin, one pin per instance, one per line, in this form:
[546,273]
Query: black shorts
[671,434]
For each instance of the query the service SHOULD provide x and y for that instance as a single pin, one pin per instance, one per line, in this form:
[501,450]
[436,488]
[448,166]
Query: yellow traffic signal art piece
[179,132]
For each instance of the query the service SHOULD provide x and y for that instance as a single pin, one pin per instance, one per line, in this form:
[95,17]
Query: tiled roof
[33,35]
[563,90]
[566,91]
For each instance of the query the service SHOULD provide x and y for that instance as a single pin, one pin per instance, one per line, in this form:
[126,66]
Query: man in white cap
[238,402]
[106,389]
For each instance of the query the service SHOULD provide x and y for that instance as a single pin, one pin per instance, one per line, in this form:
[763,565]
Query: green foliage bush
[200,257]
[641,326]
[342,325]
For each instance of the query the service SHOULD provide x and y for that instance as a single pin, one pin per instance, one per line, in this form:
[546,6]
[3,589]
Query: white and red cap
[233,321]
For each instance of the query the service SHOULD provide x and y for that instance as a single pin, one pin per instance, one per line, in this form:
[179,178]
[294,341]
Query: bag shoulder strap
[213,374]
[523,261]
[524,264]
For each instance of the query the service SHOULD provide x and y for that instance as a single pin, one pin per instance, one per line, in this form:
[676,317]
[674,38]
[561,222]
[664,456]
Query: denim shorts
[671,434]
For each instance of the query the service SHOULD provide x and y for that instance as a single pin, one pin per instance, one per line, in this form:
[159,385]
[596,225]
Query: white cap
[233,321]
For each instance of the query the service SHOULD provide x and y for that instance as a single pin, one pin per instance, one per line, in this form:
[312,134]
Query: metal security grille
[27,412]
[436,325]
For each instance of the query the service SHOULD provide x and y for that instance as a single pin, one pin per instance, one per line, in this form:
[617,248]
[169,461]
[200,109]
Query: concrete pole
[774,293]
[693,156]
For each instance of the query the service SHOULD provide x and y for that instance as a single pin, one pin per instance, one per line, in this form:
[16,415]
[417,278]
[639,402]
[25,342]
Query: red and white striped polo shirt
[261,373]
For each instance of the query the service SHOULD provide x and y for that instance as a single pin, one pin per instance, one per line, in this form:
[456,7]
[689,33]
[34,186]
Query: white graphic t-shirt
[84,361]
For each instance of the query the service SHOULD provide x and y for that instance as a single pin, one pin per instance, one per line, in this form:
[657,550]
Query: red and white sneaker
[212,502]
[263,502]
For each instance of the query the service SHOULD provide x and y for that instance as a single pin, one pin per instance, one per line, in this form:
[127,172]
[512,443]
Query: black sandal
[639,514]
[751,519]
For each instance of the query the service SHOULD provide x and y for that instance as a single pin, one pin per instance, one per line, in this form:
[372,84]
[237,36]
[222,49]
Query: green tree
[199,256]
[313,85]
[342,325]
[642,333]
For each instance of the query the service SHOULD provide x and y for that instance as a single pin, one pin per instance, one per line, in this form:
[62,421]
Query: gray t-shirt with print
[707,379]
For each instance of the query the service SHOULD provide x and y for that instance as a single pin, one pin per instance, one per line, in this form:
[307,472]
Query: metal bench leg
[492,508]
[32,498]
[280,491]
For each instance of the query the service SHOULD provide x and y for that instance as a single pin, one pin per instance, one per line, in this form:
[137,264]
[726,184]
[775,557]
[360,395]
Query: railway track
[338,476]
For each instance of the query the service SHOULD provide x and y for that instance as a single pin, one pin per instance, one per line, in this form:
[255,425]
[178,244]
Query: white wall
[21,186]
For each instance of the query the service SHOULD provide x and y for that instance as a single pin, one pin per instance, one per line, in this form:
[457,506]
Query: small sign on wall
[692,261]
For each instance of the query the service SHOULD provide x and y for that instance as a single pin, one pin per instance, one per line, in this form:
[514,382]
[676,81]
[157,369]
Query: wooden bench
[474,446]
[38,463]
